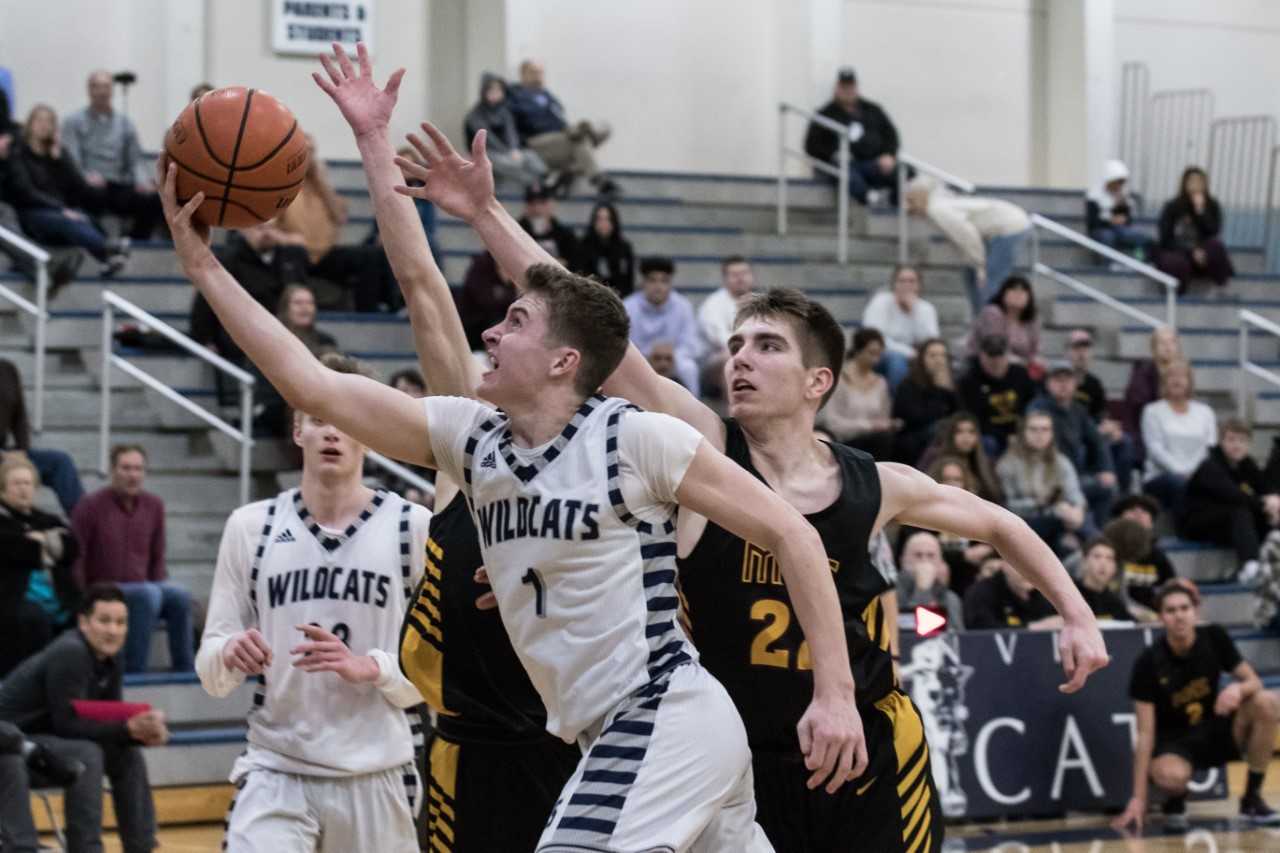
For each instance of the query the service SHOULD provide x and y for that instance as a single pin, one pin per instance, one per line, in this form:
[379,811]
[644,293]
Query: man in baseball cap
[870,135]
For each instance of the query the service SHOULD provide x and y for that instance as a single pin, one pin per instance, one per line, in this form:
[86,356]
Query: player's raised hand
[365,107]
[191,237]
[833,743]
[326,653]
[460,187]
[1082,650]
[247,652]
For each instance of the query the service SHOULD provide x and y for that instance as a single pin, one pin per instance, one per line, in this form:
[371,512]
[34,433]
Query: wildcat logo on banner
[1004,741]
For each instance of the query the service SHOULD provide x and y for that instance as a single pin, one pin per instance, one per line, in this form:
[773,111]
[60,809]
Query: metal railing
[1248,367]
[1239,151]
[111,303]
[1177,134]
[395,468]
[39,310]
[840,172]
[905,162]
[1135,92]
[1170,283]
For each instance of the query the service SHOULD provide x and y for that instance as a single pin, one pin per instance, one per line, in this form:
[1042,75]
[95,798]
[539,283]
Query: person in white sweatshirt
[905,320]
[1177,432]
[989,232]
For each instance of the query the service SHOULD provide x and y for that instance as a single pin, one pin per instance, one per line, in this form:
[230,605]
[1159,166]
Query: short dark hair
[1096,542]
[583,314]
[1029,313]
[1176,586]
[657,264]
[863,338]
[917,372]
[1146,503]
[821,338]
[119,450]
[1237,426]
[731,260]
[409,374]
[897,268]
[99,592]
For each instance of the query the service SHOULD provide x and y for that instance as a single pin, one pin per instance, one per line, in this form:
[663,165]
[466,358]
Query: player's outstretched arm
[911,497]
[831,731]
[443,354]
[374,414]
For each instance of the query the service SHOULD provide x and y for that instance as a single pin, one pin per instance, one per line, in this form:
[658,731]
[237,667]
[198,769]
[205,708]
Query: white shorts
[670,771]
[277,812]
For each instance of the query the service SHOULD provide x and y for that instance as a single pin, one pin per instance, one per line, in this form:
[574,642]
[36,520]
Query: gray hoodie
[496,119]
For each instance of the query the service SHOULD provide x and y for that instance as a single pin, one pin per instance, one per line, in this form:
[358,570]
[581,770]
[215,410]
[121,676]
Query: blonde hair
[15,461]
[1175,367]
[1172,334]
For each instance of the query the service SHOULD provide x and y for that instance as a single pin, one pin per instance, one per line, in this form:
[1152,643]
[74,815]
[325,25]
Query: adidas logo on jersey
[490,461]
[286,536]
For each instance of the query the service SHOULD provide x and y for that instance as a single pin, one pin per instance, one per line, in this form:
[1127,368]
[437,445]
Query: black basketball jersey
[741,618]
[458,656]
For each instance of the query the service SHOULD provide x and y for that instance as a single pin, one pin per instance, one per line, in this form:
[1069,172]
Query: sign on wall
[1004,741]
[310,26]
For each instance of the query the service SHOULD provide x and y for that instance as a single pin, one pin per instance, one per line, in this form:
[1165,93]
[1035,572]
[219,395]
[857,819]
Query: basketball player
[490,743]
[308,596]
[580,493]
[784,359]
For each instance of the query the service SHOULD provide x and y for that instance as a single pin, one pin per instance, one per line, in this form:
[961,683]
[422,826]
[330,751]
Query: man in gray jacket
[1078,439]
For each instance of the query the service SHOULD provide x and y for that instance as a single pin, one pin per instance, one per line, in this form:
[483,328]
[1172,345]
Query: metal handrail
[112,303]
[39,309]
[905,160]
[1097,295]
[1248,367]
[840,171]
[1170,283]
[391,466]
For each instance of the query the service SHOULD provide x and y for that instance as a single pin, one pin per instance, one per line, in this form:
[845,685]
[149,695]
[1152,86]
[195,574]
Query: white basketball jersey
[580,552]
[357,584]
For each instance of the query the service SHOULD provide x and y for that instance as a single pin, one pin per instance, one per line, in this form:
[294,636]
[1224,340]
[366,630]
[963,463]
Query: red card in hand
[103,711]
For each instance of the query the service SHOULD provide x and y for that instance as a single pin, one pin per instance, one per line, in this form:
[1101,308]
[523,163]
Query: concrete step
[1266,407]
[1202,563]
[1260,649]
[1124,285]
[180,451]
[1070,309]
[184,701]
[1227,603]
[196,756]
[186,493]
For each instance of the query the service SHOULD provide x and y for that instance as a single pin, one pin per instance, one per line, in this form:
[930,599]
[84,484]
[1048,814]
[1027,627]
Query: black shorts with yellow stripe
[490,795]
[892,808]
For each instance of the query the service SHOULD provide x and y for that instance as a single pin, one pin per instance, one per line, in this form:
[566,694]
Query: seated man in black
[1144,566]
[37,697]
[1097,572]
[25,764]
[1186,722]
[1007,600]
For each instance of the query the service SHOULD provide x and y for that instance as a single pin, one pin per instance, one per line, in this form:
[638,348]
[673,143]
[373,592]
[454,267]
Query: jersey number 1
[533,578]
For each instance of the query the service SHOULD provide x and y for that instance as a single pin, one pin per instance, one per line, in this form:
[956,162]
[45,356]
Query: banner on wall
[309,27]
[1005,741]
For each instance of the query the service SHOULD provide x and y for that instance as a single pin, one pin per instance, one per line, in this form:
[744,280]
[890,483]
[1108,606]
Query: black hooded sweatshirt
[496,119]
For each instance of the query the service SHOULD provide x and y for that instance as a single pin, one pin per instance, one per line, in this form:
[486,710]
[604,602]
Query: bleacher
[696,219]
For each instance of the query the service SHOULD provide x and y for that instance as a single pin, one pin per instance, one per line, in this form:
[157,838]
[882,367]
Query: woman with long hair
[960,437]
[1012,313]
[1145,377]
[604,253]
[297,310]
[1190,225]
[1041,486]
[924,399]
[964,556]
[858,412]
[1178,432]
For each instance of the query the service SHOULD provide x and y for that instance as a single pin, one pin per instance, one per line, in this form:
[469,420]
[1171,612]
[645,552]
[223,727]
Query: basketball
[244,150]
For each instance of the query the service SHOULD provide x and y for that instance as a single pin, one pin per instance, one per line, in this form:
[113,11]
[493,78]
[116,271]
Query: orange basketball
[244,150]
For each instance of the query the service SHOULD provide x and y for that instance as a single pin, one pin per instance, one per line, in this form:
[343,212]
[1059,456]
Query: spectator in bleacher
[997,391]
[492,113]
[539,219]
[104,145]
[1145,377]
[716,315]
[297,310]
[1109,210]
[1097,579]
[1190,716]
[1041,487]
[314,221]
[36,554]
[1012,314]
[56,467]
[1228,501]
[871,137]
[24,765]
[1177,432]
[926,397]
[662,357]
[52,197]
[859,411]
[264,260]
[960,437]
[658,312]
[924,579]
[426,210]
[1144,565]
[1079,439]
[568,150]
[1190,225]
[39,698]
[482,303]
[989,232]
[904,319]
[964,556]
[1091,395]
[121,529]
[1005,599]
[604,253]
[409,381]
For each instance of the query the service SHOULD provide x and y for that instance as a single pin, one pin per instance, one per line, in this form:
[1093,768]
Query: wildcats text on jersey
[520,517]
[760,566]
[334,583]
